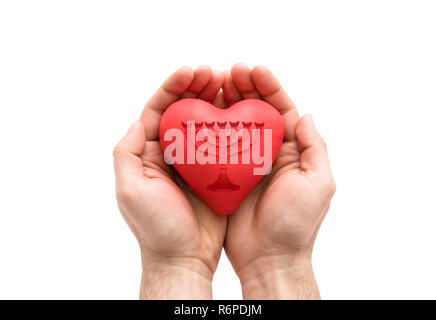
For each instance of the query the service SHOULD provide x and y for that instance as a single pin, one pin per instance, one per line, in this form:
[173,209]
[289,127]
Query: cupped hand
[270,237]
[177,233]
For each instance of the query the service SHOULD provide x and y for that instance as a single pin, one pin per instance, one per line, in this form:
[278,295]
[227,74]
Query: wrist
[175,278]
[279,277]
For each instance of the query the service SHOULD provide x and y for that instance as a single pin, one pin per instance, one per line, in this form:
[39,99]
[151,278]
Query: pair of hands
[268,240]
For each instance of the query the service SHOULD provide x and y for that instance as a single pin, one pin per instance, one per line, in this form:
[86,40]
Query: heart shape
[221,153]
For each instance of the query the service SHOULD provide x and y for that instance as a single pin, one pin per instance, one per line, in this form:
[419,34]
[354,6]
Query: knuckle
[117,150]
[332,187]
[124,195]
[329,186]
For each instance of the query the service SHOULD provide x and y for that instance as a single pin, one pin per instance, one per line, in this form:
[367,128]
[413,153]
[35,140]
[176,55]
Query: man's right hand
[270,237]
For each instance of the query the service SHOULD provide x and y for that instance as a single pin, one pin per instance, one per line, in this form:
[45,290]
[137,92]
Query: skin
[179,236]
[270,237]
[268,240]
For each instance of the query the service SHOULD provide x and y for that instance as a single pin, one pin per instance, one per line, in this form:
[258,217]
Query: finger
[170,91]
[231,93]
[202,77]
[219,101]
[270,89]
[210,91]
[127,153]
[312,147]
[242,78]
[272,92]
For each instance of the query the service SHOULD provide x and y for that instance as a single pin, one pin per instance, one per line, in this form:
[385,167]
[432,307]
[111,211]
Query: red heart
[194,134]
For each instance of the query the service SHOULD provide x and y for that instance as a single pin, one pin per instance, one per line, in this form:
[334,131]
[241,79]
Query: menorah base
[223,183]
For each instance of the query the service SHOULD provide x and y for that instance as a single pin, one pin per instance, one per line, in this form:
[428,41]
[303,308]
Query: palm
[261,223]
[284,206]
[181,219]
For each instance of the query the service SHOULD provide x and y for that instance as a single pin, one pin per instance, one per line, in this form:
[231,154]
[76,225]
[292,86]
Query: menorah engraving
[237,141]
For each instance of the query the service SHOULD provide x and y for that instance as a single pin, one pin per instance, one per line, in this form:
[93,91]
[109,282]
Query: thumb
[312,147]
[127,153]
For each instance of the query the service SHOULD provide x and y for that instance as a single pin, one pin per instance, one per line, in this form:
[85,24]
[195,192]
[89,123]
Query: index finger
[272,92]
[169,92]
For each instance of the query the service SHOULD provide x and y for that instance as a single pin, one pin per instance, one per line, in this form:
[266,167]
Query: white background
[75,74]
